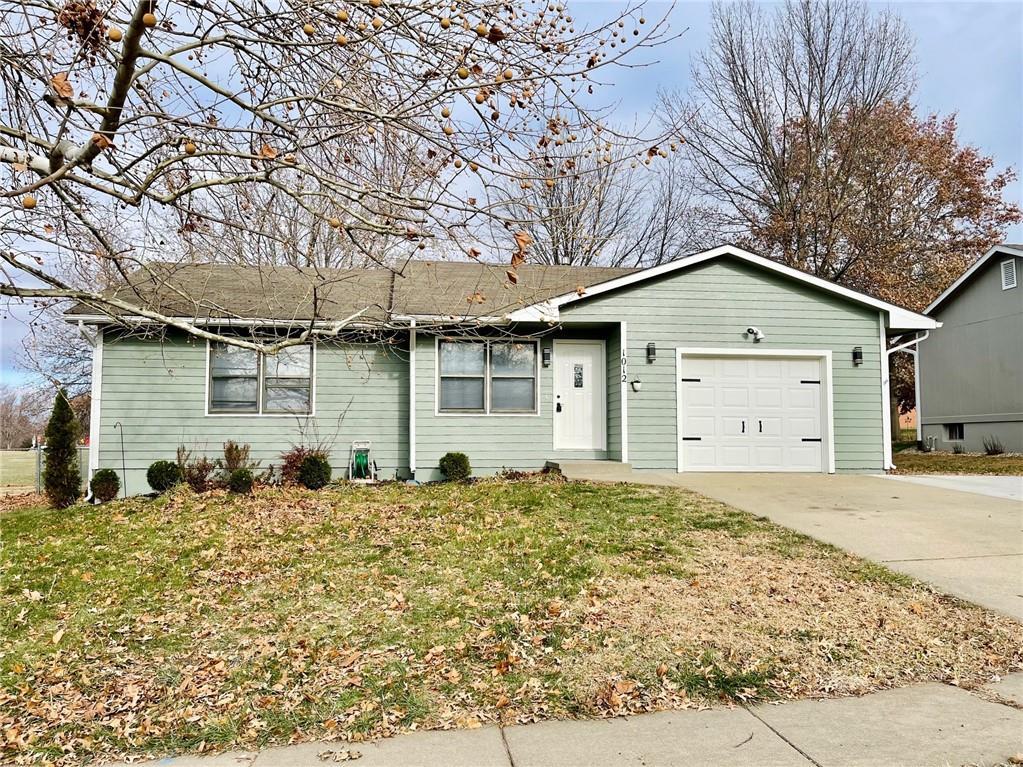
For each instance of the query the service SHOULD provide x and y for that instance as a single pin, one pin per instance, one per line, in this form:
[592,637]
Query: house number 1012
[625,368]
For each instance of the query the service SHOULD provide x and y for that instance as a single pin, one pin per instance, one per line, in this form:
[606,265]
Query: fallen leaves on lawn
[210,622]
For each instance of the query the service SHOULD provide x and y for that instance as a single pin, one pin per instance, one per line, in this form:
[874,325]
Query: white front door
[580,409]
[750,414]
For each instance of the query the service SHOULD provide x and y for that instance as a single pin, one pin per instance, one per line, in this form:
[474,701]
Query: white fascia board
[1002,249]
[898,318]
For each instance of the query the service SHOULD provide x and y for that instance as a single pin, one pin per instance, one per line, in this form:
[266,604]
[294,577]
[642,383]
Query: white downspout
[412,398]
[95,404]
[886,387]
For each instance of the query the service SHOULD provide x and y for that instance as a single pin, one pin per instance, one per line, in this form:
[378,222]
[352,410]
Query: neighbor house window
[245,381]
[487,376]
[954,432]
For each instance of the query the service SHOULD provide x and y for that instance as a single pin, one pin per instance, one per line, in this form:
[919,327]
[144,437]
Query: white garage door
[750,414]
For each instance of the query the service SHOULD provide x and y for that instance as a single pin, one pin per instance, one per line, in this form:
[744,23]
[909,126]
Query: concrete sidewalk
[928,724]
[1010,488]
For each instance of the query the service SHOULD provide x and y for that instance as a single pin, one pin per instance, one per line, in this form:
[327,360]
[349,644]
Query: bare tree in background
[768,97]
[140,132]
[610,209]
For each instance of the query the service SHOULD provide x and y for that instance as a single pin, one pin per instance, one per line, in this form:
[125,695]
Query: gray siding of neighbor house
[156,391]
[496,442]
[971,368]
[710,306]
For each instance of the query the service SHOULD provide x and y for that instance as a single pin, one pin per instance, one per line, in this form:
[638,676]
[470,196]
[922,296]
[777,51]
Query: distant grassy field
[17,467]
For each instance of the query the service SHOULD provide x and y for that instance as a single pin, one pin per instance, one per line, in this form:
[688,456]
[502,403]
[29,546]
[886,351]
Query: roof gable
[898,317]
[1008,249]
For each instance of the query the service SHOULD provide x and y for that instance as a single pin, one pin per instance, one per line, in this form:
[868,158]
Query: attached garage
[746,411]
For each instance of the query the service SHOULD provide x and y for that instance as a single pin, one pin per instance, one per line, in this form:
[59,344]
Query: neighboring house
[720,361]
[970,374]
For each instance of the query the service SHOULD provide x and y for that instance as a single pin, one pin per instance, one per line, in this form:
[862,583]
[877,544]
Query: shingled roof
[441,289]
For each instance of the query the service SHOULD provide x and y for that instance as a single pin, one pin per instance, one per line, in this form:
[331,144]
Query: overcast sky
[970,61]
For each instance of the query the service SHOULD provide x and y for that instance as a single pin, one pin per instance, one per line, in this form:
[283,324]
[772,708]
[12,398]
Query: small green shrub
[105,485]
[163,475]
[240,481]
[958,448]
[292,460]
[993,445]
[314,472]
[455,467]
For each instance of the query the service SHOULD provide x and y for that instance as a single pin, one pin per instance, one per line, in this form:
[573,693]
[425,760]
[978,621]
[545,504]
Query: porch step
[599,471]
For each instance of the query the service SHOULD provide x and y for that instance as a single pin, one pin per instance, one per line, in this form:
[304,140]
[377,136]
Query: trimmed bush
[240,481]
[105,485]
[163,475]
[62,481]
[455,467]
[291,462]
[314,472]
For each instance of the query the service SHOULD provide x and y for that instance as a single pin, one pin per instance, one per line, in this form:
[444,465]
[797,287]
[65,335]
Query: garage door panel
[768,397]
[751,414]
[735,455]
[701,396]
[699,425]
[732,396]
[766,369]
[732,426]
[803,399]
[733,368]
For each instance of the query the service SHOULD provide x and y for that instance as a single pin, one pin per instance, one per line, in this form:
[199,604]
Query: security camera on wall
[755,334]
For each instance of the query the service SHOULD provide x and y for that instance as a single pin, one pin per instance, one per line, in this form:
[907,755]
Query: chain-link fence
[21,471]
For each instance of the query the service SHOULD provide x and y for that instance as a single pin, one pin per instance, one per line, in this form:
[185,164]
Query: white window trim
[259,390]
[485,413]
[1002,271]
[827,400]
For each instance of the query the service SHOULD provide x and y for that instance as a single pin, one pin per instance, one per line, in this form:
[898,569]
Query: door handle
[557,408]
[744,427]
[760,424]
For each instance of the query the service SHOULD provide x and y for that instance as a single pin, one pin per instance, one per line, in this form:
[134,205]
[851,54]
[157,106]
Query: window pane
[230,360]
[513,359]
[461,394]
[459,358]
[233,394]
[286,399]
[512,394]
[293,361]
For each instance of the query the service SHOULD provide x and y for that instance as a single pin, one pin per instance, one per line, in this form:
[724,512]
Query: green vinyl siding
[710,305]
[156,391]
[496,442]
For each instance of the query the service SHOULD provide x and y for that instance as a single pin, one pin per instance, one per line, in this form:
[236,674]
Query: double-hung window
[487,377]
[245,381]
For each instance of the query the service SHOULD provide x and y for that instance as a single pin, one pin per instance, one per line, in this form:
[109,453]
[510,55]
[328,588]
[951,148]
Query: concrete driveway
[966,544]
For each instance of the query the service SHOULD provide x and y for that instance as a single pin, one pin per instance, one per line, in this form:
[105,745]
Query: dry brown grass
[195,623]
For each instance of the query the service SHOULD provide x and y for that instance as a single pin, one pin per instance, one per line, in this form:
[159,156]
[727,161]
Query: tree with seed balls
[140,135]
[61,478]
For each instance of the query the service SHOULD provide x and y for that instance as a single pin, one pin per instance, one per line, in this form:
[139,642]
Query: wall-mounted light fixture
[651,353]
[546,356]
[637,385]
[857,355]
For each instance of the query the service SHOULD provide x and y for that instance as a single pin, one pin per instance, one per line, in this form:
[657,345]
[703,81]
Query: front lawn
[195,623]
[962,463]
